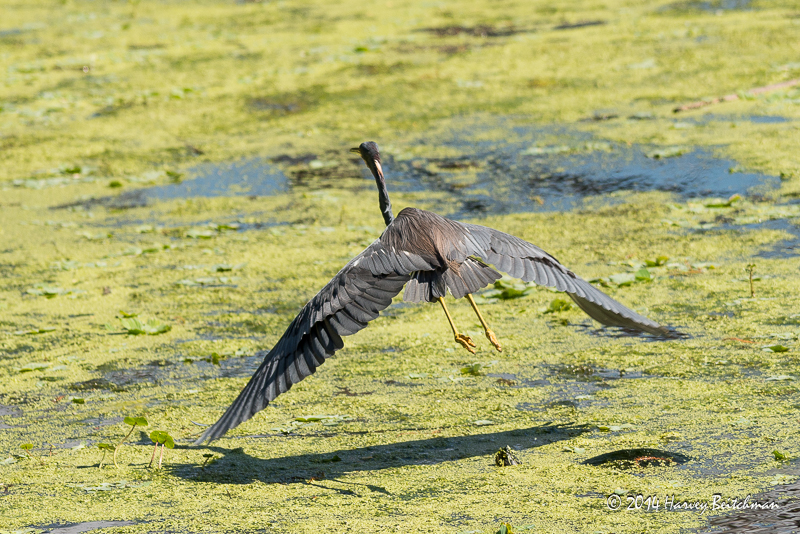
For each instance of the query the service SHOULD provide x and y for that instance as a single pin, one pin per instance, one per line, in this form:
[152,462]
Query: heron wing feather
[529,263]
[355,296]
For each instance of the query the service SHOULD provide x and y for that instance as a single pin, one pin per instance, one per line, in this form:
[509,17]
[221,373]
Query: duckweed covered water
[103,99]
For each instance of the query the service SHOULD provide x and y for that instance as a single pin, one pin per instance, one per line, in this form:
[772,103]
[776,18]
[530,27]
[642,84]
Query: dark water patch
[480,30]
[254,177]
[512,380]
[142,376]
[269,106]
[766,119]
[787,248]
[531,172]
[449,50]
[713,117]
[638,458]
[587,373]
[710,6]
[579,24]
[176,371]
[242,367]
[79,528]
[324,173]
[95,384]
[543,168]
[10,411]
[247,177]
[99,422]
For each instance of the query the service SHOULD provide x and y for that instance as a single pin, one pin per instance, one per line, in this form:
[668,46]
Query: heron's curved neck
[383,195]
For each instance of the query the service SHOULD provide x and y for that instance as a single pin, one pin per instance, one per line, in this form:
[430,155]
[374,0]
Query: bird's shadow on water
[617,332]
[235,466]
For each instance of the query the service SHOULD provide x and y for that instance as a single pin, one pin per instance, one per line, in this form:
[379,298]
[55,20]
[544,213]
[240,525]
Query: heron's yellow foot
[466,342]
[493,340]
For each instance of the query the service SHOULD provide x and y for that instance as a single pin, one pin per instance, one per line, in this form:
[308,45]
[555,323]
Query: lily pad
[162,438]
[559,305]
[622,279]
[34,331]
[472,369]
[46,291]
[140,421]
[152,327]
[33,366]
[201,233]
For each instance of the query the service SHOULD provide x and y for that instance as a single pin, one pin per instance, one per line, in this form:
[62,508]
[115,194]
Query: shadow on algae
[237,467]
[88,526]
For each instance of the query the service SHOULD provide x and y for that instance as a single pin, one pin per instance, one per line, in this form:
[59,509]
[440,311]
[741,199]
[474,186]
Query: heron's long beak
[356,150]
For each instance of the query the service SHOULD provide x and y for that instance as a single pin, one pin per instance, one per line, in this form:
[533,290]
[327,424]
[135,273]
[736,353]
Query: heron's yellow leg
[489,334]
[463,339]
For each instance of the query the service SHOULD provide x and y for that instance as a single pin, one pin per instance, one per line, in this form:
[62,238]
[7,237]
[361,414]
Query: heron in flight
[429,255]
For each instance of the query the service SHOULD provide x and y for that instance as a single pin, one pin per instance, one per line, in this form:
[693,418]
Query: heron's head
[371,156]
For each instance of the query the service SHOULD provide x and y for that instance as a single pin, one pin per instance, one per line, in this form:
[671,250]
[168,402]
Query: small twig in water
[750,268]
[730,98]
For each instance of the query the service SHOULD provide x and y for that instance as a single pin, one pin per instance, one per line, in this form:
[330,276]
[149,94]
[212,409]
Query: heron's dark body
[428,254]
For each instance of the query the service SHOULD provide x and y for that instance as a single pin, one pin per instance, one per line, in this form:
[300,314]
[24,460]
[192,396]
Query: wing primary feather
[345,305]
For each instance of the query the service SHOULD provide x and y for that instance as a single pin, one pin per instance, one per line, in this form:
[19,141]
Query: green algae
[165,88]
[411,455]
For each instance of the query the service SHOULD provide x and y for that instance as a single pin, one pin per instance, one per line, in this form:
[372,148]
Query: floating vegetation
[507,288]
[135,327]
[558,305]
[50,292]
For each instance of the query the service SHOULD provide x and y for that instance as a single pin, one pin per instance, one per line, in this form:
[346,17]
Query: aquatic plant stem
[153,456]
[120,444]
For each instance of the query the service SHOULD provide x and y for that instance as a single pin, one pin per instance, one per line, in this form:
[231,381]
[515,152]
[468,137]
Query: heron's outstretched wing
[355,296]
[528,262]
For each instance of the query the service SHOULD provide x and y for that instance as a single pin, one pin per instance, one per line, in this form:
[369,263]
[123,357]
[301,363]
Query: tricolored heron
[429,255]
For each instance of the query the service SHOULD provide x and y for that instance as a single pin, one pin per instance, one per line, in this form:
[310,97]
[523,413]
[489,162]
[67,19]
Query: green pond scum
[156,312]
